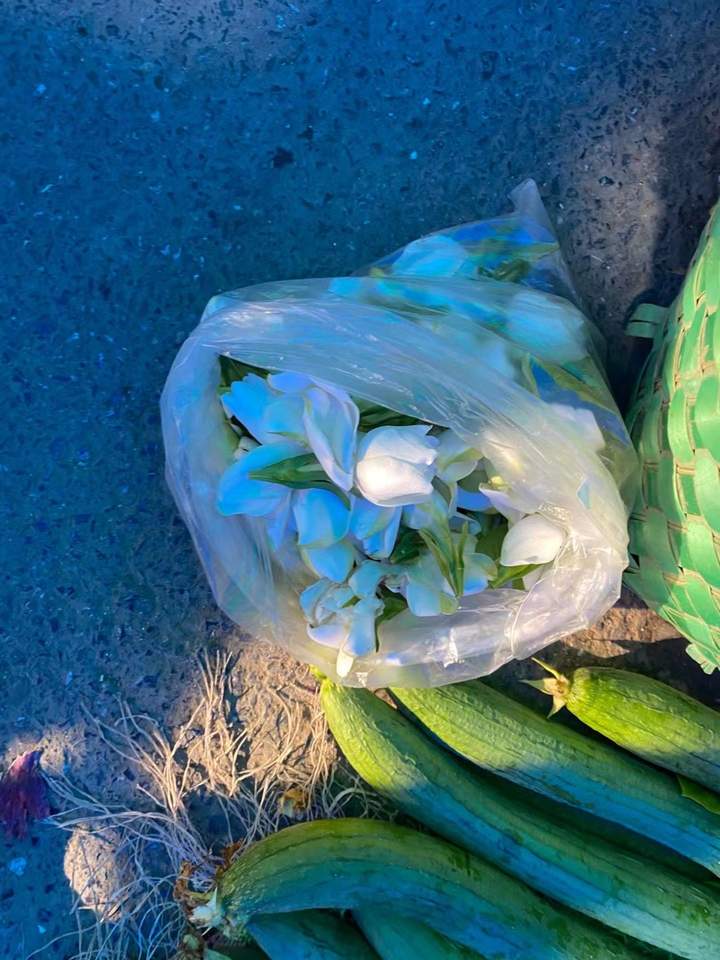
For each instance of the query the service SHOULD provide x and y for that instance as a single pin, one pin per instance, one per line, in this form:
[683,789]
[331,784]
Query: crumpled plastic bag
[476,328]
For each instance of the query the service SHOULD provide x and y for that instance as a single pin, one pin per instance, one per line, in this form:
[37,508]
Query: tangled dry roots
[253,754]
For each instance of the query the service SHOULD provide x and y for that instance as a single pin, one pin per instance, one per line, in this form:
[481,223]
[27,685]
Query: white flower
[375,527]
[367,578]
[427,591]
[247,400]
[546,325]
[455,459]
[329,419]
[239,494]
[351,631]
[295,407]
[334,562]
[531,540]
[434,256]
[395,465]
[504,502]
[322,521]
[583,424]
[323,599]
[431,514]
[322,518]
[425,588]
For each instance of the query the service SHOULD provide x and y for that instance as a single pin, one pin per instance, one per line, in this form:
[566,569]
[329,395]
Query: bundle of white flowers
[385,513]
[408,476]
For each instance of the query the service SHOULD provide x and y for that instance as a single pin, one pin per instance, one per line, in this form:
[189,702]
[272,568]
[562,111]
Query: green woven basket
[674,421]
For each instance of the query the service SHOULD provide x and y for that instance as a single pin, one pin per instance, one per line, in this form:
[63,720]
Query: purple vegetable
[23,794]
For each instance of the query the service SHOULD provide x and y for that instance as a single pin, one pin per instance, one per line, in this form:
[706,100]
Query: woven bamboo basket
[674,421]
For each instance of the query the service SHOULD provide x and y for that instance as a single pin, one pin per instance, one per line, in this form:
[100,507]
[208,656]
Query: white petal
[495,354]
[368,518]
[426,590]
[283,417]
[381,544]
[329,634]
[254,498]
[366,579]
[400,443]
[504,502]
[455,459]
[278,522]
[433,512]
[246,401]
[389,482]
[434,256]
[531,540]
[426,601]
[583,423]
[312,596]
[238,493]
[333,562]
[361,617]
[476,574]
[287,382]
[331,420]
[546,325]
[321,517]
[469,500]
[344,664]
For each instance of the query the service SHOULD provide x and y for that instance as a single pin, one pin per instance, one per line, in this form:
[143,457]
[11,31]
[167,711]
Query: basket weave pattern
[674,421]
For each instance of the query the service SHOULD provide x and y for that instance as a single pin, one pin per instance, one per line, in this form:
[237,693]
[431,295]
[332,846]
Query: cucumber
[477,813]
[397,939]
[644,716]
[309,935]
[355,864]
[507,738]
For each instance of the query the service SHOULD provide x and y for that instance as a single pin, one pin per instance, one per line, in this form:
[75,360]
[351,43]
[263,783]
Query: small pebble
[17,866]
[414,155]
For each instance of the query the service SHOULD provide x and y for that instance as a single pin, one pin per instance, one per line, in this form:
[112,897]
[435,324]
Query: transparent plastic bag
[475,328]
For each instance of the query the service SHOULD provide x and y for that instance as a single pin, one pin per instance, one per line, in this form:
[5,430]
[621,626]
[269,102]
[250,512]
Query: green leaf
[562,378]
[699,794]
[490,543]
[512,574]
[232,369]
[302,472]
[374,415]
[408,546]
[394,605]
[444,550]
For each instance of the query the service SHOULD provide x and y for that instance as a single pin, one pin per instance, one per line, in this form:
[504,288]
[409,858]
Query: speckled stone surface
[155,152]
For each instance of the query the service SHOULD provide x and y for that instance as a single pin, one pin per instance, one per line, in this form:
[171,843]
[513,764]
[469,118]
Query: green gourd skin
[309,935]
[357,864]
[507,738]
[395,938]
[646,717]
[639,898]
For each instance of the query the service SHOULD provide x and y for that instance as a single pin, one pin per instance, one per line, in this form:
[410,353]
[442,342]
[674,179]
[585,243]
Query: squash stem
[556,686]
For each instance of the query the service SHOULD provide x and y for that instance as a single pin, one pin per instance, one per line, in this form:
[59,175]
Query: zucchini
[477,813]
[354,863]
[511,740]
[644,716]
[395,938]
[309,935]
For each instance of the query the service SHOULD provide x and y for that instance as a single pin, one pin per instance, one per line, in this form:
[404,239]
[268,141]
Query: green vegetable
[644,716]
[476,812]
[508,739]
[309,935]
[397,939]
[354,864]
